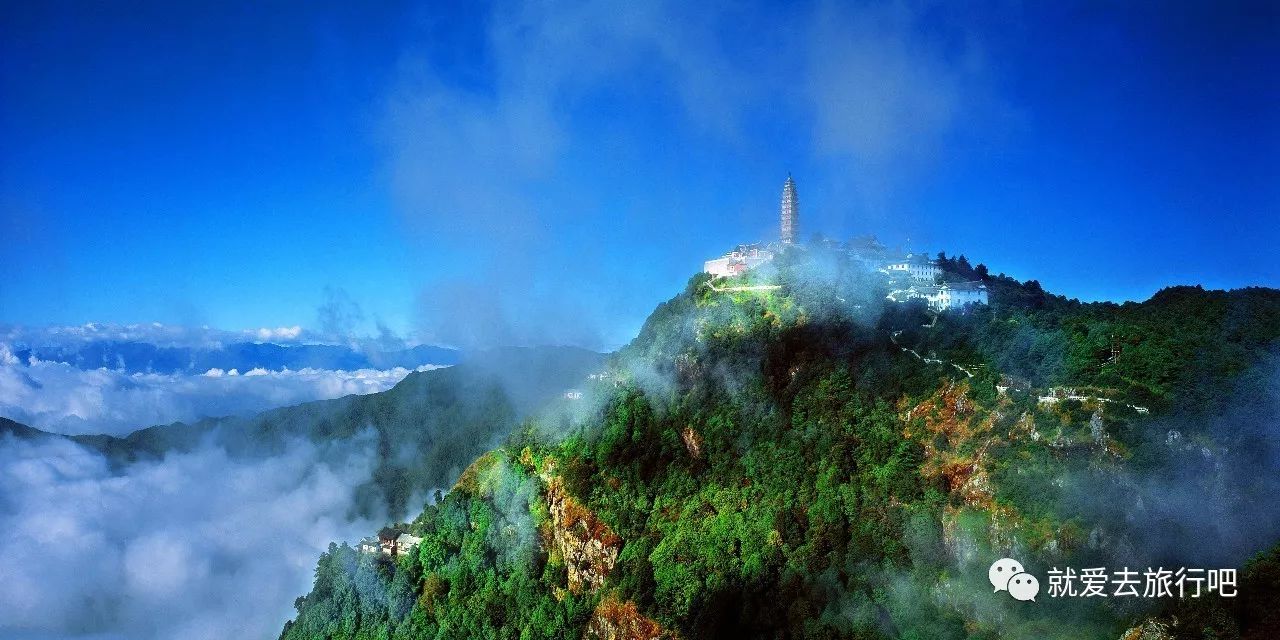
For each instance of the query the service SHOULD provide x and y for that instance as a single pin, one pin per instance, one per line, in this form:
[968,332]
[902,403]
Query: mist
[499,184]
[196,545]
[61,398]
[1203,488]
[1195,484]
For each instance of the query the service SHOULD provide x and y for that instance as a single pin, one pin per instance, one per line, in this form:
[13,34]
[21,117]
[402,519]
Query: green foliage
[1254,614]
[1182,348]
[757,467]
[476,574]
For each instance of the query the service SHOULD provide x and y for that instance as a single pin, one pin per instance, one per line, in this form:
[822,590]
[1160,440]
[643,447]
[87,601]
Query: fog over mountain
[60,398]
[89,550]
[218,523]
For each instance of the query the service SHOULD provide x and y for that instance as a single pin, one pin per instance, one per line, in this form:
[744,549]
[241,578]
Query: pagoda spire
[790,211]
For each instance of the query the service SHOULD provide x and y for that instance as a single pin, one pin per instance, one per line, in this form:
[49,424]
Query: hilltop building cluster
[389,542]
[911,276]
[742,259]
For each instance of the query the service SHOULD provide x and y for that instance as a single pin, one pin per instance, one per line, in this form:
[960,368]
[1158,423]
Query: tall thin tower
[790,211]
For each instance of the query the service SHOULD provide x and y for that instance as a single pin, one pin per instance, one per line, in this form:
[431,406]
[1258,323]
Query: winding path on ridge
[893,337]
[758,287]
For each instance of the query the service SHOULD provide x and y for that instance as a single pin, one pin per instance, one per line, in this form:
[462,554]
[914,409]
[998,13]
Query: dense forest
[811,462]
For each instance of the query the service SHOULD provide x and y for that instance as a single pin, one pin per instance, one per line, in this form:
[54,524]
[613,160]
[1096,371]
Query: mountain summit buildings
[910,275]
[745,257]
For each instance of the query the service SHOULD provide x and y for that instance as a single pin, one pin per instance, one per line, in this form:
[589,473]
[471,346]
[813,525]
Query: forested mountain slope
[808,462]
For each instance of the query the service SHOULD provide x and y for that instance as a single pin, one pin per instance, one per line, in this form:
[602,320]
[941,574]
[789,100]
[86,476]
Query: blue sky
[547,173]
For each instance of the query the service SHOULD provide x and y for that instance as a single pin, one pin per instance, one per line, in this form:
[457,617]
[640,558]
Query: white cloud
[198,545]
[872,94]
[151,332]
[279,334]
[60,398]
[467,161]
[878,88]
[157,333]
[888,88]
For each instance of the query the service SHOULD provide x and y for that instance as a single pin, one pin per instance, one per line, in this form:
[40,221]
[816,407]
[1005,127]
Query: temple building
[943,297]
[917,266]
[746,257]
[742,259]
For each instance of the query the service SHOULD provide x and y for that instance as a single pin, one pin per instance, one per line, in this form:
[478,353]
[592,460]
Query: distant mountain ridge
[11,428]
[144,357]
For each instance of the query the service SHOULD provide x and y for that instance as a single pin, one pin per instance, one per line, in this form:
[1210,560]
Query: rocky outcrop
[1150,630]
[692,442]
[589,549]
[955,439]
[614,620]
[588,546]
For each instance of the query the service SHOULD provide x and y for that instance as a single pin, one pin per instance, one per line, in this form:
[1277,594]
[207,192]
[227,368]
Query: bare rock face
[589,547]
[955,440]
[1097,428]
[692,442]
[1150,630]
[615,620]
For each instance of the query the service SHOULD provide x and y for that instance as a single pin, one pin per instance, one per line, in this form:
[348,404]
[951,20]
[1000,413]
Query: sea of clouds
[156,333]
[61,398]
[196,545]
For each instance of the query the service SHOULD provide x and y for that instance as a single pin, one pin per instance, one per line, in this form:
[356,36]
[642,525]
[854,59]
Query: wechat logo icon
[1007,574]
